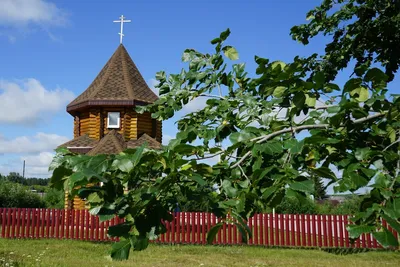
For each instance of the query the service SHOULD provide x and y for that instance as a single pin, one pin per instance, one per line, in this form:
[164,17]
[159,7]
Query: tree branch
[213,96]
[263,138]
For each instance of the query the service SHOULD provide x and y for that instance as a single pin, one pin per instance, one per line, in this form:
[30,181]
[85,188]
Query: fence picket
[282,229]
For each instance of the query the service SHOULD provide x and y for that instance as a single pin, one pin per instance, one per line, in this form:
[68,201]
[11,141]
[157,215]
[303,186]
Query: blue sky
[51,50]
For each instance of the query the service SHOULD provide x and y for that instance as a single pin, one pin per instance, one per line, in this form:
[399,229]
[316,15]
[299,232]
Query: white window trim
[108,120]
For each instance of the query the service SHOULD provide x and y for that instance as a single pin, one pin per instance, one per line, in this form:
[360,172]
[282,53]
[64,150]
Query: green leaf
[123,164]
[360,94]
[121,229]
[214,41]
[392,222]
[140,243]
[270,148]
[294,146]
[213,232]
[197,178]
[95,210]
[324,172]
[225,34]
[306,186]
[228,188]
[333,110]
[310,101]
[299,100]
[94,198]
[106,217]
[362,153]
[138,155]
[120,250]
[356,230]
[279,90]
[386,238]
[240,136]
[231,53]
[376,76]
[267,192]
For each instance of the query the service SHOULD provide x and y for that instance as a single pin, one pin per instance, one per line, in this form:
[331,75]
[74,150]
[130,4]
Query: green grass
[78,253]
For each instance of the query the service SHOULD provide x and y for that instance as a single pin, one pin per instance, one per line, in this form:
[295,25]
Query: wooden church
[105,121]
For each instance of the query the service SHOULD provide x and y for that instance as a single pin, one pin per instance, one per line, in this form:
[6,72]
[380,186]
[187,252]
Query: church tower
[105,120]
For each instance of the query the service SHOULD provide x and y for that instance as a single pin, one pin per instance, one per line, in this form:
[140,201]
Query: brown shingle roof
[118,83]
[112,143]
[145,138]
[82,141]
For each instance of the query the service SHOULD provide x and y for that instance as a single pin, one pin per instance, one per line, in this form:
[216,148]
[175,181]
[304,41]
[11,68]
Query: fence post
[191,226]
[266,229]
[13,214]
[3,222]
[335,230]
[22,234]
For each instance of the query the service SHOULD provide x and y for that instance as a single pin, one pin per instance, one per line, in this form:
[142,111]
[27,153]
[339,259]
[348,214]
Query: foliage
[17,178]
[366,31]
[54,198]
[13,195]
[355,128]
[201,199]
[290,205]
[320,192]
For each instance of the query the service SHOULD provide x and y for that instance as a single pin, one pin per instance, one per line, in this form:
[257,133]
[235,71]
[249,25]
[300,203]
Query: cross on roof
[121,20]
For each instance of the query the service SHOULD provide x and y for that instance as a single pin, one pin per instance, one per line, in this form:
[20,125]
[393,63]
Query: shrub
[292,205]
[13,195]
[54,199]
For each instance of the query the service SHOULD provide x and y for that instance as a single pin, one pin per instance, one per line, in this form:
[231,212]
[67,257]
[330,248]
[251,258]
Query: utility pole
[23,170]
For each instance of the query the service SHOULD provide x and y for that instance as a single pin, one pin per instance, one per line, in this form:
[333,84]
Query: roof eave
[105,103]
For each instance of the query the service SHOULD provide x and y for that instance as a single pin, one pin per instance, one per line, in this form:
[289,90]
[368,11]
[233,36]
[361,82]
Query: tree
[361,30]
[252,124]
[319,192]
[15,178]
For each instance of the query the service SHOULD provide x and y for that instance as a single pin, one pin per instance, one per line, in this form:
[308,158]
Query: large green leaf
[120,250]
[197,178]
[231,53]
[356,230]
[361,94]
[386,238]
[306,186]
[121,229]
[394,223]
[324,172]
[213,232]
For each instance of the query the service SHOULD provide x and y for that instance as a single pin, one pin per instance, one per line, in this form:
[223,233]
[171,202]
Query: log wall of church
[132,125]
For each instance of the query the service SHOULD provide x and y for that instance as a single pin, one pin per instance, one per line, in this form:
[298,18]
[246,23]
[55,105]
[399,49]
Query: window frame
[118,122]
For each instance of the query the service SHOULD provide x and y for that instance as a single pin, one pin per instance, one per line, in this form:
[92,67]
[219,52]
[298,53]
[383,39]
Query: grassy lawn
[77,253]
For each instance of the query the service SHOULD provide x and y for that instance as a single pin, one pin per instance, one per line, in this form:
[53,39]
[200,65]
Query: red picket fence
[286,230]
[54,223]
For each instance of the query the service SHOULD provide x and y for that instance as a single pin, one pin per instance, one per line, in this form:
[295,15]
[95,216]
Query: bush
[291,205]
[54,199]
[13,195]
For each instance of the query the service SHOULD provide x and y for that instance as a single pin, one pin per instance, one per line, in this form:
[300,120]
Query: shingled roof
[145,138]
[118,83]
[112,143]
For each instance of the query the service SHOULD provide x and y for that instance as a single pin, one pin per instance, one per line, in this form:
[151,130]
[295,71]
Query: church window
[113,120]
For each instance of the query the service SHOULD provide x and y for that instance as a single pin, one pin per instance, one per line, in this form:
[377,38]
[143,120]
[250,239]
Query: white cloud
[38,165]
[28,100]
[22,12]
[166,138]
[41,142]
[35,165]
[195,105]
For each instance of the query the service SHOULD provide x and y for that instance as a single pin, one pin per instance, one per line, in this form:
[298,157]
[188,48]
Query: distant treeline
[17,178]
